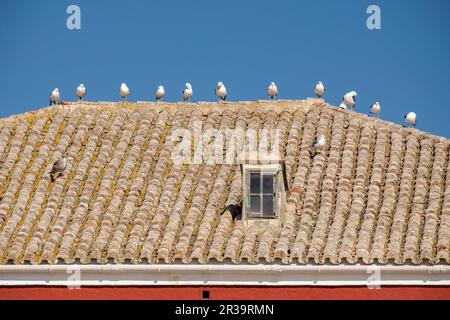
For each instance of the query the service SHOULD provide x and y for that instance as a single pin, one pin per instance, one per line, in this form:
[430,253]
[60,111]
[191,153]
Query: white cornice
[226,275]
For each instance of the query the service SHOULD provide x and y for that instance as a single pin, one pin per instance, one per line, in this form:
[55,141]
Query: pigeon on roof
[160,93]
[124,91]
[58,168]
[187,92]
[81,91]
[221,91]
[410,119]
[375,109]
[320,89]
[272,90]
[350,99]
[54,96]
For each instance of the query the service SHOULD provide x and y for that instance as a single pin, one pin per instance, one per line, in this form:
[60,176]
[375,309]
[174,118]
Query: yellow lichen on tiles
[377,192]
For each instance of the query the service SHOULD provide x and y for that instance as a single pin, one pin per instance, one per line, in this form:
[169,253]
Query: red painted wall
[225,293]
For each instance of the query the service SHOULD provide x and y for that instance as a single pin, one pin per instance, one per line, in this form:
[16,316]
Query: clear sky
[246,44]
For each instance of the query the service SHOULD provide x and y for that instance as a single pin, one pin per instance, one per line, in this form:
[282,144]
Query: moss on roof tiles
[378,192]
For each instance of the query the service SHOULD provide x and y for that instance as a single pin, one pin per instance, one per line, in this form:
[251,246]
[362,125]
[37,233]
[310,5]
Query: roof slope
[378,193]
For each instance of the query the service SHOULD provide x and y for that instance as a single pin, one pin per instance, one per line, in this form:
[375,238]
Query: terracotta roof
[379,193]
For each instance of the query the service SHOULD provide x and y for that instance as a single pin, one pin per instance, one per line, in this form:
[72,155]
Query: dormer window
[264,188]
[263,191]
[261,198]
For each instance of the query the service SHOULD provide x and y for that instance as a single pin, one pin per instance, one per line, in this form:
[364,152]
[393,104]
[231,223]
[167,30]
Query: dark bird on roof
[234,209]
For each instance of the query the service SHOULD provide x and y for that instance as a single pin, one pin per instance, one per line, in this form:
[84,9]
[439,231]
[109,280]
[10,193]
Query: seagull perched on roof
[410,119]
[343,106]
[320,89]
[54,96]
[124,91]
[318,144]
[160,93]
[187,92]
[58,168]
[81,91]
[375,109]
[350,99]
[272,90]
[221,91]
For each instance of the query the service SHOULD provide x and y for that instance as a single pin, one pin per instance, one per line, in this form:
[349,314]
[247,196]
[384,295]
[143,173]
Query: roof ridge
[276,105]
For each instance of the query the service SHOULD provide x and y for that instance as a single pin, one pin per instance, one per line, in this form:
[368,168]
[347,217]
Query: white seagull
[54,96]
[58,168]
[124,91]
[160,93]
[343,106]
[320,89]
[272,90]
[375,109]
[320,142]
[350,99]
[410,119]
[221,91]
[187,92]
[81,91]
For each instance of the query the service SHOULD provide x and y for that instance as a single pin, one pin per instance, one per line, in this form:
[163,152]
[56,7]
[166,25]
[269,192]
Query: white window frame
[262,170]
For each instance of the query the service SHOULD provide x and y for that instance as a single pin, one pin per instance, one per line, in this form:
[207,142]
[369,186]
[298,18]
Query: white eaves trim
[224,275]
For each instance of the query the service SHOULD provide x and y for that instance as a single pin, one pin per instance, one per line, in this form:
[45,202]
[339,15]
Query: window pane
[268,206]
[268,183]
[255,182]
[255,204]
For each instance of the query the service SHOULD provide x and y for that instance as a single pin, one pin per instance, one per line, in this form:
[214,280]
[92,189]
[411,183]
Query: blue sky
[245,44]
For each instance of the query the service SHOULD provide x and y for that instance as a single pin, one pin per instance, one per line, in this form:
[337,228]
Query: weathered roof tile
[376,192]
